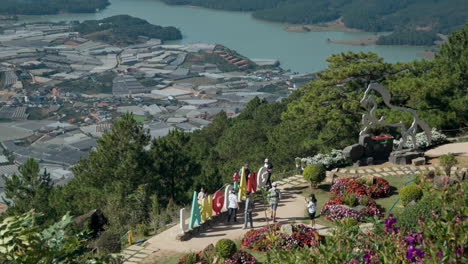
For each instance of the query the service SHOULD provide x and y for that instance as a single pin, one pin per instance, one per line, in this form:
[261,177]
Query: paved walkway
[384,171]
[458,149]
[292,208]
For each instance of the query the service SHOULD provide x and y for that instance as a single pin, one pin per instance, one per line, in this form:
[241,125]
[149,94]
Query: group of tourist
[273,197]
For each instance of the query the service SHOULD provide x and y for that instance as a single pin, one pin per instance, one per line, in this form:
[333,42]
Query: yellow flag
[242,185]
[130,237]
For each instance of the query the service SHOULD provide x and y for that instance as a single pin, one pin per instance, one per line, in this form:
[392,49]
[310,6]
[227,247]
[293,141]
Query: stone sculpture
[370,120]
[368,150]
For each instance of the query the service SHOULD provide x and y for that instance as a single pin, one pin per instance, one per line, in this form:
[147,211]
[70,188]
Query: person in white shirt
[201,195]
[312,208]
[232,206]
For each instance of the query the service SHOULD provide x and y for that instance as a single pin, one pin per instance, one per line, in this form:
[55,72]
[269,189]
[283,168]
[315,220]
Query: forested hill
[49,7]
[125,30]
[435,16]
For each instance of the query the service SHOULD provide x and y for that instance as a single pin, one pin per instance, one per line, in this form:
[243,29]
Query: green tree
[118,166]
[28,190]
[174,166]
[24,241]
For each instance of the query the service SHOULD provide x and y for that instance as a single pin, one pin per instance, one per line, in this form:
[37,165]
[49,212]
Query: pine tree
[28,190]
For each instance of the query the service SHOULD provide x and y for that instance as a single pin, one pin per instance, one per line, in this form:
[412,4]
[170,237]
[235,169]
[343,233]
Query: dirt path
[292,207]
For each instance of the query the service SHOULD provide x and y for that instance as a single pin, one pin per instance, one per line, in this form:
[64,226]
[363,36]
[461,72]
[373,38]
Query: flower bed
[262,239]
[378,187]
[335,209]
[241,257]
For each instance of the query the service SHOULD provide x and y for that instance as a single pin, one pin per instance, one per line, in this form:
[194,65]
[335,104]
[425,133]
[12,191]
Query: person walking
[274,196]
[232,206]
[269,167]
[312,208]
[249,207]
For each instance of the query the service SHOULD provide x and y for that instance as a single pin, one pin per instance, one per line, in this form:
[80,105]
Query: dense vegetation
[378,15]
[131,177]
[409,37]
[432,231]
[125,29]
[48,7]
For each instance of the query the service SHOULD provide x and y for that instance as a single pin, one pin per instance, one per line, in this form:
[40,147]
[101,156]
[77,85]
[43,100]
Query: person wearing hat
[274,196]
[232,206]
[269,167]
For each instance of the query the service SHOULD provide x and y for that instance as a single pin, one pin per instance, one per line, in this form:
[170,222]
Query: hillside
[432,16]
[49,7]
[138,183]
[125,30]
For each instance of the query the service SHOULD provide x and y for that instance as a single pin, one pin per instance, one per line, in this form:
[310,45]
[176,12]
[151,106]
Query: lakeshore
[240,31]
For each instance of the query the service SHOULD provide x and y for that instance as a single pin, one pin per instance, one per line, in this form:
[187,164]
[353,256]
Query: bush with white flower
[421,140]
[334,159]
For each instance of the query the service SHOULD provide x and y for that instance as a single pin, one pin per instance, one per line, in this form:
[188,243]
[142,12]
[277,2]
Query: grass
[140,119]
[322,193]
[169,259]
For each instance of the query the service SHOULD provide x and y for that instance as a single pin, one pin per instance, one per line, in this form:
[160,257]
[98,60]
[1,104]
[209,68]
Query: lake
[301,52]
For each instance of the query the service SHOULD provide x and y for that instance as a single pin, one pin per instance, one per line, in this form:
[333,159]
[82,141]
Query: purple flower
[414,238]
[410,239]
[414,254]
[367,258]
[389,224]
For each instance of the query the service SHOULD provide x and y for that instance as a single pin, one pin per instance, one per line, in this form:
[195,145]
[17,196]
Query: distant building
[125,85]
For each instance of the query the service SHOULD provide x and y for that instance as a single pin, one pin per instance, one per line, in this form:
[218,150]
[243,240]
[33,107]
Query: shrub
[349,199]
[192,258]
[424,209]
[332,160]
[448,161]
[422,142]
[315,173]
[209,253]
[109,242]
[410,193]
[364,200]
[349,222]
[225,248]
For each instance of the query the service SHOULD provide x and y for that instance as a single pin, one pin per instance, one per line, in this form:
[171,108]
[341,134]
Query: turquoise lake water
[301,52]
